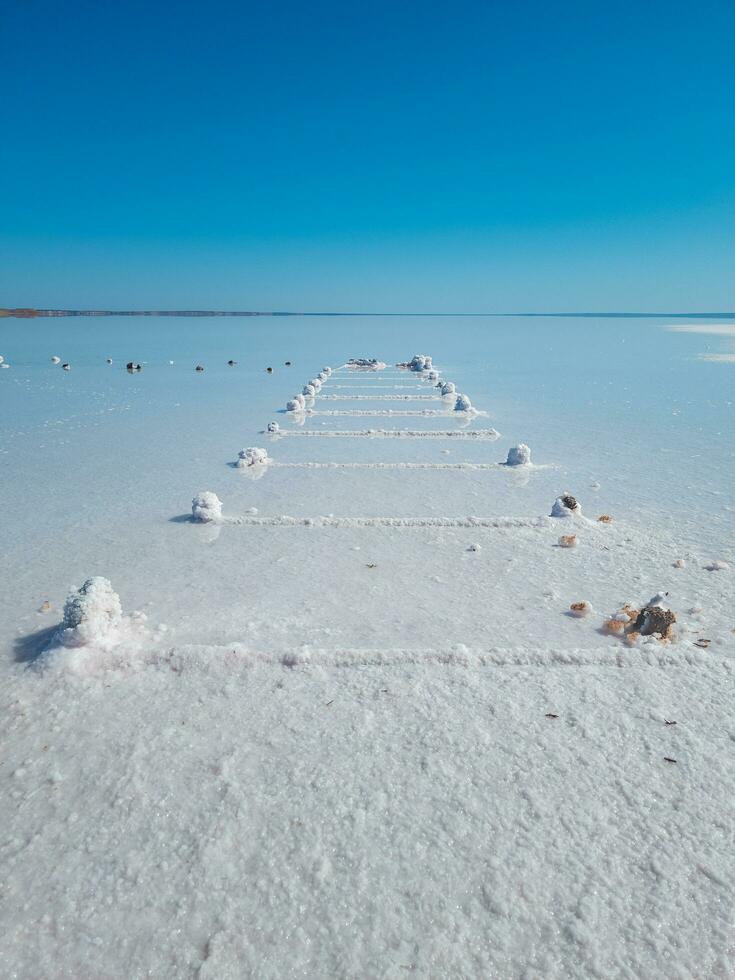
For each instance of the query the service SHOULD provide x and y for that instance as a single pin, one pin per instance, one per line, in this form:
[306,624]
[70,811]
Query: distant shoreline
[29,313]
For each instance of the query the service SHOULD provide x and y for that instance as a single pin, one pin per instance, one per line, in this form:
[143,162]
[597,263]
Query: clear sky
[378,156]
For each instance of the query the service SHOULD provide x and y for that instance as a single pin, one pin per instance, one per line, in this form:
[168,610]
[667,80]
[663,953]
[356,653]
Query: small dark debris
[269,370]
[328,703]
[287,363]
[199,368]
[569,501]
[550,715]
[232,363]
[701,642]
[668,759]
[371,565]
[132,367]
[669,722]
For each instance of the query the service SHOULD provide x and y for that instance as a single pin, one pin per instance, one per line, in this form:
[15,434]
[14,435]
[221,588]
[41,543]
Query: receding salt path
[247,520]
[490,435]
[398,466]
[397,412]
[383,398]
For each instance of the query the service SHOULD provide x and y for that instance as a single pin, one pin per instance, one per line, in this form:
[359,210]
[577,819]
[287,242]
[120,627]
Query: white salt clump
[432,376]
[55,360]
[206,506]
[322,376]
[90,613]
[474,547]
[274,427]
[519,455]
[565,506]
[309,390]
[420,362]
[316,384]
[448,388]
[717,566]
[462,404]
[680,563]
[296,404]
[2,359]
[4,364]
[370,363]
[253,456]
[326,371]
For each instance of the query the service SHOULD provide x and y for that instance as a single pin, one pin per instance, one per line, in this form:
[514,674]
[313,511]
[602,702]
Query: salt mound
[370,364]
[91,613]
[420,362]
[55,360]
[206,506]
[253,456]
[316,384]
[448,388]
[519,455]
[296,404]
[565,506]
[2,359]
[309,391]
[433,376]
[274,427]
[327,371]
[463,404]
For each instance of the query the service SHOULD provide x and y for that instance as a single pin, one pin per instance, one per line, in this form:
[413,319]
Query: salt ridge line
[490,435]
[273,464]
[246,520]
[381,398]
[398,413]
[203,657]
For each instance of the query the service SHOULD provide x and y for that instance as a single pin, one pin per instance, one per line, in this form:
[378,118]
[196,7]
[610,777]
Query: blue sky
[377,156]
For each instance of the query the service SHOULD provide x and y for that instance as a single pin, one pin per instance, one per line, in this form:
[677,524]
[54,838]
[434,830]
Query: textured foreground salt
[370,738]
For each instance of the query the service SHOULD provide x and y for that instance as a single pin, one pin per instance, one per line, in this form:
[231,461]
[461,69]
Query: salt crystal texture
[206,506]
[91,613]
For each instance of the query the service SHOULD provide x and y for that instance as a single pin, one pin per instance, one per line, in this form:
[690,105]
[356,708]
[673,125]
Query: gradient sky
[375,156]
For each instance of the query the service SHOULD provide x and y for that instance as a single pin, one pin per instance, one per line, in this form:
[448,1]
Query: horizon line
[32,313]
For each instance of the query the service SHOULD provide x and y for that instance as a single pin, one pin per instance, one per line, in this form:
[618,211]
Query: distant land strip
[28,313]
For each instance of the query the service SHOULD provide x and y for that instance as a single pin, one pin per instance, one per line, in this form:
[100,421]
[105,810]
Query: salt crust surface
[276,787]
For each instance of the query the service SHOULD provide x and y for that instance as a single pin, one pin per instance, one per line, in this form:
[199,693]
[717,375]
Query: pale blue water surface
[95,462]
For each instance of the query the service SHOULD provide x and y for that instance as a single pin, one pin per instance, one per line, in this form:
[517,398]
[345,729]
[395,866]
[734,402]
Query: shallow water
[96,462]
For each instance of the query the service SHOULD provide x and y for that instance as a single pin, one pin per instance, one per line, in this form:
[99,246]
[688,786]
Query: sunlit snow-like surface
[327,752]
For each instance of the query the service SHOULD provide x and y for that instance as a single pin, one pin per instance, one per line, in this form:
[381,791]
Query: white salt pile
[2,359]
[296,404]
[253,456]
[432,376]
[66,367]
[327,371]
[368,363]
[55,360]
[274,427]
[309,391]
[419,362]
[565,506]
[316,384]
[206,506]
[717,566]
[91,613]
[462,404]
[4,364]
[519,455]
[448,388]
